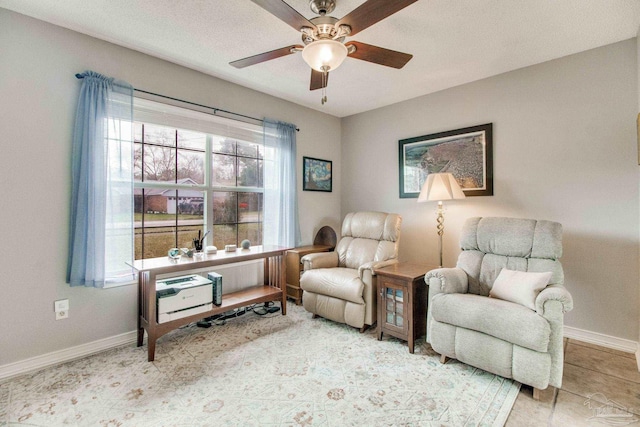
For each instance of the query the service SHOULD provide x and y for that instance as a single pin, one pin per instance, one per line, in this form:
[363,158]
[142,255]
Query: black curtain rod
[215,110]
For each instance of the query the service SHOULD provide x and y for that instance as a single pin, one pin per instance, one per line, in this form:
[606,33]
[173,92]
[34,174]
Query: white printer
[179,297]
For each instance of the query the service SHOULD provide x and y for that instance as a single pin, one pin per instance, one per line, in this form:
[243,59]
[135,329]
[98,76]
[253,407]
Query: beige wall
[37,105]
[564,150]
[638,144]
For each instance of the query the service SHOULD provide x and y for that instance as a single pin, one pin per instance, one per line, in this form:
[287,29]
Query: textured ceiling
[453,41]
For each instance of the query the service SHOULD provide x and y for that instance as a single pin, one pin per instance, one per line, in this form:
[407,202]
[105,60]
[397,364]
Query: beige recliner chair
[517,332]
[340,285]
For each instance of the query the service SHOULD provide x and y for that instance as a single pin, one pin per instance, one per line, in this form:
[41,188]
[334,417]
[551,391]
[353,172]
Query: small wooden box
[294,268]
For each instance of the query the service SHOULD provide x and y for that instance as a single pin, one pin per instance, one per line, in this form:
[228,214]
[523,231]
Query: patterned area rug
[255,370]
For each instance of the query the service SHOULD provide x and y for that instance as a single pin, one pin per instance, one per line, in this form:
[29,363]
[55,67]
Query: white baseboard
[603,340]
[65,355]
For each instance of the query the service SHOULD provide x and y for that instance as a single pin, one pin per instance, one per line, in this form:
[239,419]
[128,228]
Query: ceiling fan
[323,37]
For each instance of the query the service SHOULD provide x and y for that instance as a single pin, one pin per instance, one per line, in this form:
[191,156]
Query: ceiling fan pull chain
[325,71]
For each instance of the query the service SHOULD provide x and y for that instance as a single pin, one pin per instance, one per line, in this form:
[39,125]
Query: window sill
[118,283]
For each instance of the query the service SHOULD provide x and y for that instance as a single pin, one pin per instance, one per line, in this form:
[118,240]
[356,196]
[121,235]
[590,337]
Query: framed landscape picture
[466,153]
[316,174]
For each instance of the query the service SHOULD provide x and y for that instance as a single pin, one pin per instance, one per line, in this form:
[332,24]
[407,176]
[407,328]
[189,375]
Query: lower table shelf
[243,298]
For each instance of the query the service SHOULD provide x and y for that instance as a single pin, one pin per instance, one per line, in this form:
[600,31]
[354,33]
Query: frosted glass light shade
[329,53]
[440,186]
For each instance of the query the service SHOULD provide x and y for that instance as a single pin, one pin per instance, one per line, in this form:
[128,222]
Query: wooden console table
[402,301]
[273,288]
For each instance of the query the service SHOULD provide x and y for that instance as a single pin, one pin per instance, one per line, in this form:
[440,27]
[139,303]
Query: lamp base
[440,227]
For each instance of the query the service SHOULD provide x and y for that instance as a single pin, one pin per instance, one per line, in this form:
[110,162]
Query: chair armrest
[444,281]
[554,293]
[447,281]
[366,272]
[320,260]
[551,304]
[373,265]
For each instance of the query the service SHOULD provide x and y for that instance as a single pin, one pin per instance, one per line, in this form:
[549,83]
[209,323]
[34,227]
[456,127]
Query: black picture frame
[317,174]
[467,153]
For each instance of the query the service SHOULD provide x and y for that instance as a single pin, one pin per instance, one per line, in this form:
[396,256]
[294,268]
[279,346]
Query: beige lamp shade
[324,53]
[440,186]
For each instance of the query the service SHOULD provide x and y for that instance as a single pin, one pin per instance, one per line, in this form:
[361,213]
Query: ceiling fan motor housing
[325,28]
[322,7]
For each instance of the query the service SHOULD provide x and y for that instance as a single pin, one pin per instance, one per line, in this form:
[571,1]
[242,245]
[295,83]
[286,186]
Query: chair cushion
[501,319]
[367,237]
[520,287]
[372,225]
[342,283]
[513,237]
[353,252]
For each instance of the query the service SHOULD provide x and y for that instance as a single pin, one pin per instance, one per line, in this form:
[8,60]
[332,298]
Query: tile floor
[600,387]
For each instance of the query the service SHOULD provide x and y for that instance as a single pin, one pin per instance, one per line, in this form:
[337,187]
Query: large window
[194,173]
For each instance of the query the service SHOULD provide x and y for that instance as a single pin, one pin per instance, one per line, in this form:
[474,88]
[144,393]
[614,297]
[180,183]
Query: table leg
[283,283]
[150,312]
[140,304]
[151,348]
[140,333]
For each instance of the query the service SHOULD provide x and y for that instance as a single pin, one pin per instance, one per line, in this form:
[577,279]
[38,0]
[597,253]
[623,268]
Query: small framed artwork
[316,174]
[466,153]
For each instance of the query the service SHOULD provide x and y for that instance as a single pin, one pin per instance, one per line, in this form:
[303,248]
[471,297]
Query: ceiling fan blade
[316,80]
[266,56]
[379,55]
[286,13]
[370,12]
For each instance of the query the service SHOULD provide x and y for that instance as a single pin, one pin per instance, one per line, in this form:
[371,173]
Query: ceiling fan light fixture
[324,54]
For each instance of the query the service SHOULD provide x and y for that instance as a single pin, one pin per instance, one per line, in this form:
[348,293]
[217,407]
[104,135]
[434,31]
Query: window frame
[152,112]
[209,187]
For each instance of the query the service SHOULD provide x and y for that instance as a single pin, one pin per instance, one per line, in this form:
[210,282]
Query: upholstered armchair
[501,309]
[340,285]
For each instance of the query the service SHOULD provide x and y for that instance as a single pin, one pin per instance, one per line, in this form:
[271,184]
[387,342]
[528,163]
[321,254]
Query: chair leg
[536,393]
[546,394]
[314,316]
[443,359]
[364,328]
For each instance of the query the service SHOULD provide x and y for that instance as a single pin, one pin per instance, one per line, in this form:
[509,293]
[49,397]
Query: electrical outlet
[61,307]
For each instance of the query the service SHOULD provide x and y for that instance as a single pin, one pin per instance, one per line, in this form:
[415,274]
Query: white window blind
[148,111]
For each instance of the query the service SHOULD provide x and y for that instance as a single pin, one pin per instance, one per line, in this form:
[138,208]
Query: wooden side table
[294,268]
[402,301]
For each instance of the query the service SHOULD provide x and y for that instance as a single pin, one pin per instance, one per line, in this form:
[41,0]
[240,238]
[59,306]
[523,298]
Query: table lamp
[439,187]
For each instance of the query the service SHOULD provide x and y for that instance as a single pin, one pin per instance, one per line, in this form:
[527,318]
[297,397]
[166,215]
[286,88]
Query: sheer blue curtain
[281,225]
[101,222]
